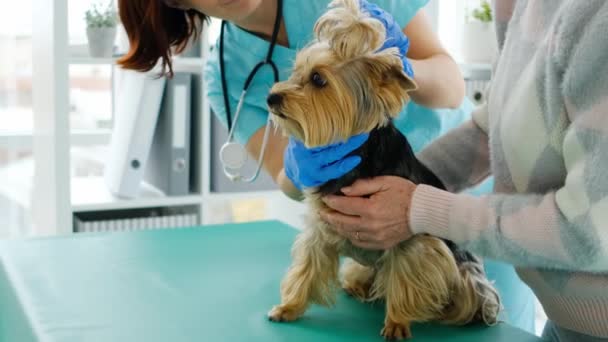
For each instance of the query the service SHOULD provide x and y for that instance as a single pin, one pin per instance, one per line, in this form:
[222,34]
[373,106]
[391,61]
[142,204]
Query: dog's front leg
[312,277]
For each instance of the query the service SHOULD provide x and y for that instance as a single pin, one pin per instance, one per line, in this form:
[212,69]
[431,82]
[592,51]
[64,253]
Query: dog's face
[341,84]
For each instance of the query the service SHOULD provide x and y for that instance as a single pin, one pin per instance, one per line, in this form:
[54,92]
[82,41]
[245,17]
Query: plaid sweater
[543,135]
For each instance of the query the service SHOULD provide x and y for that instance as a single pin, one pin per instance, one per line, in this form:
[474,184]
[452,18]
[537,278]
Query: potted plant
[101,29]
[479,37]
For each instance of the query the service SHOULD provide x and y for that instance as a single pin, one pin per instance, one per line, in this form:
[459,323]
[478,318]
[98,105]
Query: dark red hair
[155,31]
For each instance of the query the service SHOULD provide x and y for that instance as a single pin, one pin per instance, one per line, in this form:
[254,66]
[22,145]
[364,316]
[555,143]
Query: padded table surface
[211,283]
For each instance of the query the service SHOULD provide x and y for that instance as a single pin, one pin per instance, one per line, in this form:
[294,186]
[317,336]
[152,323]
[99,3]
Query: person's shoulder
[578,34]
[579,48]
[306,11]
[211,67]
[300,18]
[299,5]
[581,22]
[235,39]
[400,3]
[402,10]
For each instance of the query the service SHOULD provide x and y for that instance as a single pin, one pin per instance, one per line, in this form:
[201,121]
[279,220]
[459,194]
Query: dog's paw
[358,291]
[283,313]
[396,331]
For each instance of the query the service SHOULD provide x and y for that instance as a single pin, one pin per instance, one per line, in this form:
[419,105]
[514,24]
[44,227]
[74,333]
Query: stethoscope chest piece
[233,155]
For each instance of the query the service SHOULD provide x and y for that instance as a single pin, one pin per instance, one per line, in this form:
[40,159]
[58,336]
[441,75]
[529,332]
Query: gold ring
[357,235]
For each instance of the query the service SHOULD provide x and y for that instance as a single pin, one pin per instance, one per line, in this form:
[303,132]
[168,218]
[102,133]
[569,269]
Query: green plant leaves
[483,13]
[101,16]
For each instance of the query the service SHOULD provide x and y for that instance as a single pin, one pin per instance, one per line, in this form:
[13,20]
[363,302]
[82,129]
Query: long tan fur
[357,280]
[312,277]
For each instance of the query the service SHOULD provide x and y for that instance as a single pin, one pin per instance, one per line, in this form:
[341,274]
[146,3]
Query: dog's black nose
[274,99]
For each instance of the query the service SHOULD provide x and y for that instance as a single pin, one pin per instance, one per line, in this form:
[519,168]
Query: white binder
[168,167]
[138,100]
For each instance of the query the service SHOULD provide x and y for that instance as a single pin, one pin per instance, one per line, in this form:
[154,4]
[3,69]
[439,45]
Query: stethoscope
[232,154]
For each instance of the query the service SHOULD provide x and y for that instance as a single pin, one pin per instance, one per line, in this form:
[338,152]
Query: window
[451,19]
[15,115]
[90,84]
[90,113]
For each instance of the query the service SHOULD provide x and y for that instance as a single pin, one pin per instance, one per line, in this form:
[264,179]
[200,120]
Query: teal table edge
[207,283]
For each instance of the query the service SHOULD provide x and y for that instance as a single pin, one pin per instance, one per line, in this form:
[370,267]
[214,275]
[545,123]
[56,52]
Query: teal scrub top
[242,51]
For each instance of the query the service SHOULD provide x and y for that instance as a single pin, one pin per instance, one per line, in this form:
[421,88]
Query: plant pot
[101,41]
[479,42]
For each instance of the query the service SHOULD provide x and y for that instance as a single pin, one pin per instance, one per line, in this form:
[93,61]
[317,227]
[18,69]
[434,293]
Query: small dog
[342,86]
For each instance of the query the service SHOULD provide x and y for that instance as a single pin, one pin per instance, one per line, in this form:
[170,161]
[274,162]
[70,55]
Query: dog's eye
[317,80]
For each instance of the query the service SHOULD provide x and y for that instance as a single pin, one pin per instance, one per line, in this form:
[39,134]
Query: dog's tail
[475,299]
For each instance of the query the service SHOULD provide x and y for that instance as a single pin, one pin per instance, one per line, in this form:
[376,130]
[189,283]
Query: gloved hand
[394,33]
[315,166]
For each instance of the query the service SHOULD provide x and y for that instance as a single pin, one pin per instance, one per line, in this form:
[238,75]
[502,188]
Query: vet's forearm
[287,186]
[440,83]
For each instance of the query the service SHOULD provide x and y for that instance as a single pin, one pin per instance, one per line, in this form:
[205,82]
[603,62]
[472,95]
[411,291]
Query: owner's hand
[394,33]
[381,220]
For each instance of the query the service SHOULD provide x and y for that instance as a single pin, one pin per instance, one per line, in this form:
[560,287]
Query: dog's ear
[388,64]
[398,76]
[349,31]
[389,82]
[394,88]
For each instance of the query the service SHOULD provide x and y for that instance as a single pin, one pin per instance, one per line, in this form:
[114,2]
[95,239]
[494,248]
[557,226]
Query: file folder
[168,167]
[138,100]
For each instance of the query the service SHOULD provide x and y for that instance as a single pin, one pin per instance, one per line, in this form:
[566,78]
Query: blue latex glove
[394,33]
[315,166]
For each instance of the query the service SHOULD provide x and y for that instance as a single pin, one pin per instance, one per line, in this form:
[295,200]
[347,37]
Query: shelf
[91,194]
[23,139]
[189,64]
[90,137]
[54,140]
[476,71]
[476,66]
[86,60]
[230,196]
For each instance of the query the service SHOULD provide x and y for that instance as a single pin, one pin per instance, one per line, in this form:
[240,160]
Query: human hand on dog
[394,33]
[378,221]
[309,167]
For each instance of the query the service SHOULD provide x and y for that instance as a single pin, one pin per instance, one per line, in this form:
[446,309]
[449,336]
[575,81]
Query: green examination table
[211,283]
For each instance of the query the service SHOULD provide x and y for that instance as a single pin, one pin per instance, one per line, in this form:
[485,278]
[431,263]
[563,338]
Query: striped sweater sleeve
[562,228]
[460,158]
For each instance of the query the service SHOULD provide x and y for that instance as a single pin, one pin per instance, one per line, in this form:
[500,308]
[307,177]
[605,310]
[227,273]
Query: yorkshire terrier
[342,85]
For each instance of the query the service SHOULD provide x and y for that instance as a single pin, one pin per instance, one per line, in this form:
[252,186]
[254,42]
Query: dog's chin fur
[358,89]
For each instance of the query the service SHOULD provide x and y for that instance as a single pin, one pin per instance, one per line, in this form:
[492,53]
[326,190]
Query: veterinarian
[251,32]
[544,136]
